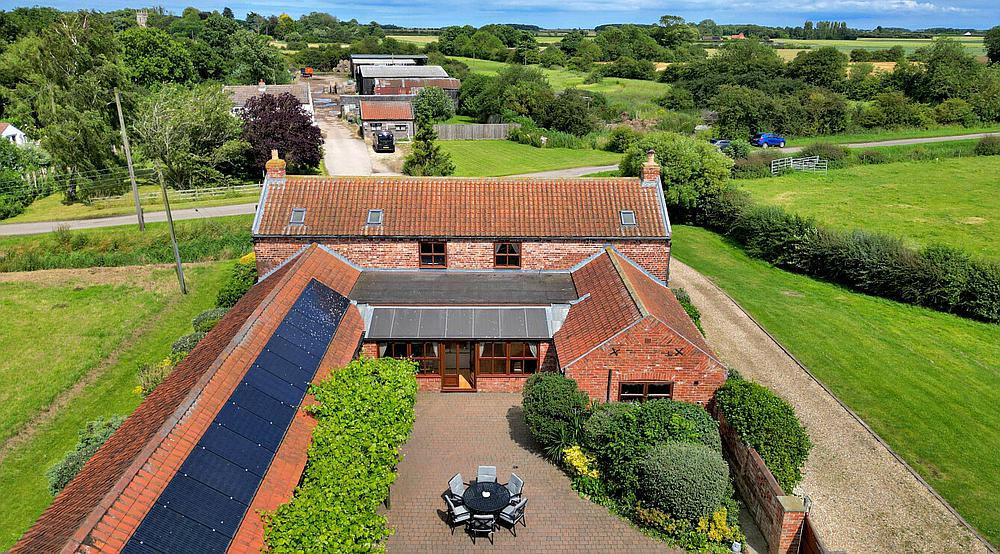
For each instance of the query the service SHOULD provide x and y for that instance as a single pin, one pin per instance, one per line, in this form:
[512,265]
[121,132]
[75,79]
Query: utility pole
[128,158]
[173,236]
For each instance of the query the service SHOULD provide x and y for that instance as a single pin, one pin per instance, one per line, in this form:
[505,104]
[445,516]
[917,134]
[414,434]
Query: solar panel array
[204,503]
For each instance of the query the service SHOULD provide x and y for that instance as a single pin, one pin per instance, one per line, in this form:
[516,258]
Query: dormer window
[298,216]
[374,217]
[628,218]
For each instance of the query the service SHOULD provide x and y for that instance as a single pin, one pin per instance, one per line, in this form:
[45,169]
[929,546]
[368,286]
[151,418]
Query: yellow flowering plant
[582,464]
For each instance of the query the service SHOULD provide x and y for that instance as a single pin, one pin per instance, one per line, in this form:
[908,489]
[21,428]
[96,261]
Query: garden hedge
[936,277]
[768,423]
[554,410]
[206,321]
[241,278]
[364,413]
[684,480]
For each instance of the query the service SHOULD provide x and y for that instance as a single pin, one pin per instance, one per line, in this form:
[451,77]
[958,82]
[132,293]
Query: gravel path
[864,499]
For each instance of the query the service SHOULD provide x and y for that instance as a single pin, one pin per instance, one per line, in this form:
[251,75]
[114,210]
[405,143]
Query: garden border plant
[335,508]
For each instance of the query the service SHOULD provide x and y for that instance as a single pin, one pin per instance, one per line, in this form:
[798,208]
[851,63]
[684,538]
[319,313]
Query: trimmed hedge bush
[684,480]
[936,277]
[988,146]
[90,439]
[554,410]
[364,413]
[186,343]
[665,420]
[833,153]
[206,321]
[768,423]
[241,278]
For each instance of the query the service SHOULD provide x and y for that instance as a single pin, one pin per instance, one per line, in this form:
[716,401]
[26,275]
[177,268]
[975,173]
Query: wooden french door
[457,373]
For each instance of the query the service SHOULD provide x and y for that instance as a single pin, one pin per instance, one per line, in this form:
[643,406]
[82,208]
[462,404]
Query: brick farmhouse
[482,282]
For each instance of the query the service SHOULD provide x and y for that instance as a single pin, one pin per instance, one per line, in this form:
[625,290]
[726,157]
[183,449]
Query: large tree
[435,102]
[280,123]
[992,43]
[183,128]
[254,60]
[153,56]
[823,67]
[692,170]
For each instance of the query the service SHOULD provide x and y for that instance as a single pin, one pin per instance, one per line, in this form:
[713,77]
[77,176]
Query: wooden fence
[186,195]
[475,131]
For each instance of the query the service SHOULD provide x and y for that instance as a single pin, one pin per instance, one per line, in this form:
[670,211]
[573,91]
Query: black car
[383,141]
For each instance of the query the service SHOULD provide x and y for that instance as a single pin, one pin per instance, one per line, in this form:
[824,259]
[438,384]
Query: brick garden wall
[811,543]
[648,352]
[779,517]
[465,254]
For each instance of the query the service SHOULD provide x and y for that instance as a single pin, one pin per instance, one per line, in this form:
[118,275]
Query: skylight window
[298,216]
[374,217]
[628,218]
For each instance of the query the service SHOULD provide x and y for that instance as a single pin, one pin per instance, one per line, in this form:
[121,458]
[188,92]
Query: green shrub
[692,311]
[988,146]
[981,295]
[241,278]
[756,166]
[833,153]
[771,233]
[612,435]
[150,375]
[621,138]
[186,343]
[872,157]
[955,111]
[768,423]
[90,439]
[364,413]
[739,149]
[206,321]
[554,410]
[684,480]
[662,421]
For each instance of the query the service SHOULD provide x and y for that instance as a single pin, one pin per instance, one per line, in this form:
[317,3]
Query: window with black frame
[507,254]
[433,254]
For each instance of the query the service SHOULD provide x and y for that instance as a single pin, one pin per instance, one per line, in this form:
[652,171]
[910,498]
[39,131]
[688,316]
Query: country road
[345,154]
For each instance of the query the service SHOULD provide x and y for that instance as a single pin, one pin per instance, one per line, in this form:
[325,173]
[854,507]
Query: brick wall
[648,352]
[779,517]
[465,254]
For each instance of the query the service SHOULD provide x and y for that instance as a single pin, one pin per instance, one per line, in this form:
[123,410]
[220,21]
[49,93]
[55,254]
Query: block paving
[457,432]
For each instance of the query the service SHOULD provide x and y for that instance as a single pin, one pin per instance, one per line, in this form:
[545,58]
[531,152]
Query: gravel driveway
[864,499]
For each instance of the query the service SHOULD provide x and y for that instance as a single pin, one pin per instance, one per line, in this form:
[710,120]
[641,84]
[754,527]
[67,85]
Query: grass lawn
[952,201]
[638,95]
[22,473]
[459,120]
[492,158]
[927,382]
[51,207]
[974,45]
[874,136]
[199,240]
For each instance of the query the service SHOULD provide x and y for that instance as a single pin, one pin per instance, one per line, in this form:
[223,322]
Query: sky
[861,14]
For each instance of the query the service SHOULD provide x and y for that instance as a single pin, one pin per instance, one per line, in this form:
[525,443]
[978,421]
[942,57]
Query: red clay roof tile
[386,111]
[512,207]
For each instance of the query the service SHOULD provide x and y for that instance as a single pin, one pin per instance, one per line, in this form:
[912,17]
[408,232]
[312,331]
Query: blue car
[767,139]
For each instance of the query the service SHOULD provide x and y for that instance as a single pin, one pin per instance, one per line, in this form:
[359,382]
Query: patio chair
[481,524]
[514,513]
[457,515]
[515,486]
[456,488]
[486,474]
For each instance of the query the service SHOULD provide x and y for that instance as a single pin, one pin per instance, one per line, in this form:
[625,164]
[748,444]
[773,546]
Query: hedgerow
[242,277]
[90,439]
[364,414]
[768,423]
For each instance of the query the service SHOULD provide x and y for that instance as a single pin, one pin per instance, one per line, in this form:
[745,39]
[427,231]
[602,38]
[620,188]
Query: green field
[892,134]
[51,208]
[950,201]
[973,44]
[635,94]
[52,332]
[199,240]
[927,382]
[493,158]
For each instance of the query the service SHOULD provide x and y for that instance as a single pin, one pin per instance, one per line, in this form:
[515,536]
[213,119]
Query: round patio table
[486,498]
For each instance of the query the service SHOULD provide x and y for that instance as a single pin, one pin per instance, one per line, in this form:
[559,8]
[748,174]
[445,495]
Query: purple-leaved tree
[280,123]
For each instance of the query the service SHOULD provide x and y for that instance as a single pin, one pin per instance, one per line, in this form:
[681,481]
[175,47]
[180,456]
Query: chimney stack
[650,169]
[275,169]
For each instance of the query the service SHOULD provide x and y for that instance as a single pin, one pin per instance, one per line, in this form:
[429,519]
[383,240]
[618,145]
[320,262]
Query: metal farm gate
[810,163]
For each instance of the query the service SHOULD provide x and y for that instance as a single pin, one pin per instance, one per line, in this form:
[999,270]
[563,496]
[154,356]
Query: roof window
[374,217]
[628,218]
[298,216]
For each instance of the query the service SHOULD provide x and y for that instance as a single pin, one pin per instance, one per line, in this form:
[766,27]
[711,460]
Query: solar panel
[204,503]
[219,473]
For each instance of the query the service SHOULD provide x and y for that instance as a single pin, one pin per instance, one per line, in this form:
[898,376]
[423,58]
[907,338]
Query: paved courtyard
[458,432]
